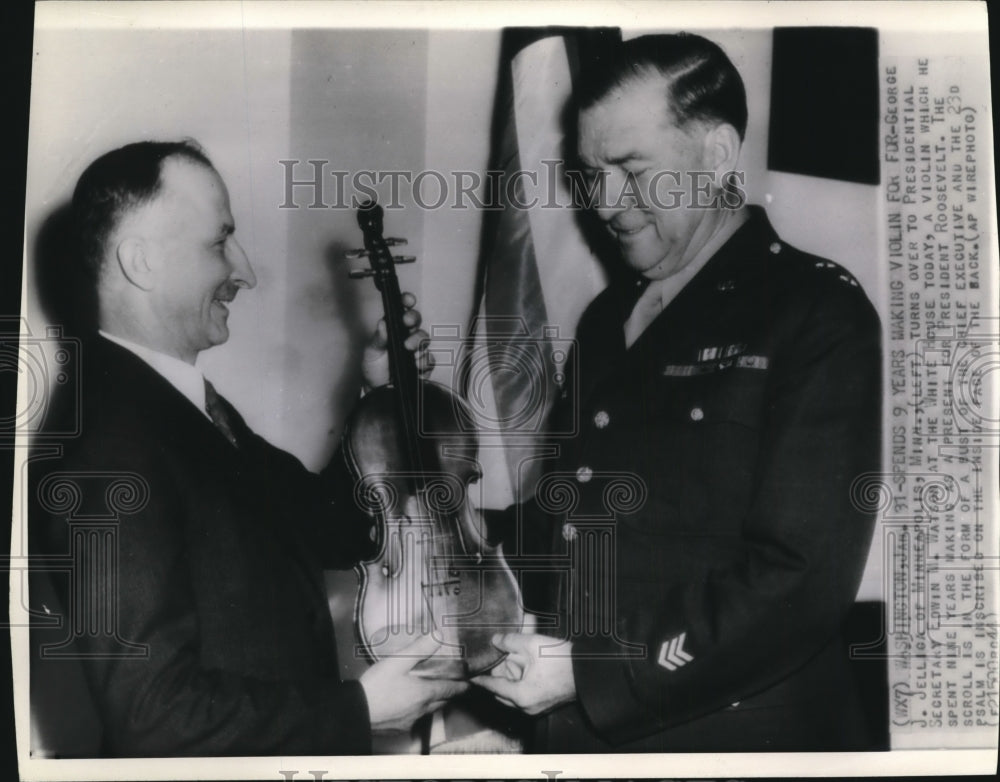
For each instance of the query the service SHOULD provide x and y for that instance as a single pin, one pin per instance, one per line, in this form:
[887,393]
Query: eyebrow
[618,160]
[627,157]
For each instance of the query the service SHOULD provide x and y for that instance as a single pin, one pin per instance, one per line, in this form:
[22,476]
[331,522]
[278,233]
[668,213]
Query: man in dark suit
[196,599]
[729,395]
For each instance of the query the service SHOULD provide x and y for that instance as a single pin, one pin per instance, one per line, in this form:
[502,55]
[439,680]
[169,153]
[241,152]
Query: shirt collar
[659,293]
[182,376]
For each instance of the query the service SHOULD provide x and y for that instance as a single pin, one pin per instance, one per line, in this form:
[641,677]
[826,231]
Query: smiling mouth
[625,233]
[224,296]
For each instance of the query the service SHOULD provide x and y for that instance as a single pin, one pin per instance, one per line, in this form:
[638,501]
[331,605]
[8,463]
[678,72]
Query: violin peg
[355,254]
[394,241]
[357,274]
[404,258]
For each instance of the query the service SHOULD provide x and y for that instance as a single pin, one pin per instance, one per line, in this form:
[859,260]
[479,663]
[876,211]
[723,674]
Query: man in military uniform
[729,395]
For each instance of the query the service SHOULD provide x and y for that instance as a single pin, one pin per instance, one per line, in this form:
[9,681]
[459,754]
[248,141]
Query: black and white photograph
[480,390]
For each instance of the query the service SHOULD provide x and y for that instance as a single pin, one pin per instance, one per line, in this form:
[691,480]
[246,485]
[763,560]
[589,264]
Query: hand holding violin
[536,675]
[397,696]
[375,366]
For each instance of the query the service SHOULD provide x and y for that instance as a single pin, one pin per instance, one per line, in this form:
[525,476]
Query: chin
[218,336]
[641,265]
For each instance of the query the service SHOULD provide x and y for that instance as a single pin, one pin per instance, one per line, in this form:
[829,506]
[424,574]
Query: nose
[615,194]
[242,272]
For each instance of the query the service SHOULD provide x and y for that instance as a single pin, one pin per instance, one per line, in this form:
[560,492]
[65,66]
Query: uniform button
[569,531]
[602,419]
[775,247]
[697,413]
[584,474]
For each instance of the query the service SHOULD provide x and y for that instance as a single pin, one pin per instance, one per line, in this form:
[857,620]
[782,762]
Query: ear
[134,262]
[722,149]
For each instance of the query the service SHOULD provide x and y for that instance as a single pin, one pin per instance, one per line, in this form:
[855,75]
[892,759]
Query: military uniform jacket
[710,537]
[219,639]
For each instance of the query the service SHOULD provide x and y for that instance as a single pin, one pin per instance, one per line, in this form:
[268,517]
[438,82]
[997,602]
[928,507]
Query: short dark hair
[702,82]
[118,182]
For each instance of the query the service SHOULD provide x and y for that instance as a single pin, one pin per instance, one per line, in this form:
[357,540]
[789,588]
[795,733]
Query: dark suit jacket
[206,562]
[715,545]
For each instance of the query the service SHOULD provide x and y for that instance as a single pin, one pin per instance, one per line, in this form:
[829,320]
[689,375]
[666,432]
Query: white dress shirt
[181,375]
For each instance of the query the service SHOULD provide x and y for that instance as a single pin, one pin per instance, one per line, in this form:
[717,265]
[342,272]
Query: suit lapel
[125,379]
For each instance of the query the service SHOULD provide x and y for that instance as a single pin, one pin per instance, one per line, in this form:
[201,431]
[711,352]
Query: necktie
[220,413]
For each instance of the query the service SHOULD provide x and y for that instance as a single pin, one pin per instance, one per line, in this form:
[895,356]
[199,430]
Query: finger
[412,318]
[498,686]
[516,668]
[512,673]
[416,340]
[506,669]
[425,362]
[409,300]
[381,338]
[530,623]
[517,643]
[445,689]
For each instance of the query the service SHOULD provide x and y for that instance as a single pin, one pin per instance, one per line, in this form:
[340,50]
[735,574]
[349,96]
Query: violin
[413,453]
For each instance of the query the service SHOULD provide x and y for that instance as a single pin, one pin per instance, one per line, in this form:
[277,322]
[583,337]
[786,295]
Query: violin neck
[402,364]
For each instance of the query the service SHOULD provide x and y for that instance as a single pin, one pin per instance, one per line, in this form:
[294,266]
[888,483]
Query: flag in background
[537,272]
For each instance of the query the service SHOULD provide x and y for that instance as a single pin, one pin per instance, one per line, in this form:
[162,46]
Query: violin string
[440,544]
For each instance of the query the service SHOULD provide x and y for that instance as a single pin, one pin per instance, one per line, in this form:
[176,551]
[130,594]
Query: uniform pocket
[709,429]
[725,396]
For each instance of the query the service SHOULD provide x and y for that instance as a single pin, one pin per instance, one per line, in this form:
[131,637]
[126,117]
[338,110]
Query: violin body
[427,578]
[414,456]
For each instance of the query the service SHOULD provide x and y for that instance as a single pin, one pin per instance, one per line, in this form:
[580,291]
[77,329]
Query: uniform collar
[754,238]
[659,293]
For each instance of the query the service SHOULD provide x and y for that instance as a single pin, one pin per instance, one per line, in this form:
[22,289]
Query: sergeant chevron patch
[672,654]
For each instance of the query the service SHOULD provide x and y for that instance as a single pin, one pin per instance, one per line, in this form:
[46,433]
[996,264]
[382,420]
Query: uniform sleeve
[164,702]
[748,625]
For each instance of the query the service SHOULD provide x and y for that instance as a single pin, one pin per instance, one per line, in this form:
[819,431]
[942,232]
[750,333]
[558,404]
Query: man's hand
[375,366]
[397,697]
[536,675]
